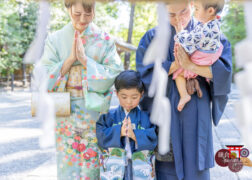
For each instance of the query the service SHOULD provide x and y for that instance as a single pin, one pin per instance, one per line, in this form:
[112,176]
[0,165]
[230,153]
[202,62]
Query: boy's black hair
[129,79]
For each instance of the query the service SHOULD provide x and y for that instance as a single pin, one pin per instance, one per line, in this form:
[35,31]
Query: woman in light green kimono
[82,60]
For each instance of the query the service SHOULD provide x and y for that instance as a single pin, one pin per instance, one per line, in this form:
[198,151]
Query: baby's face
[200,13]
[129,98]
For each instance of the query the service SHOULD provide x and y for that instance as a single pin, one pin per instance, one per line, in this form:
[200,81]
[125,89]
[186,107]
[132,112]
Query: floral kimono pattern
[112,164]
[76,143]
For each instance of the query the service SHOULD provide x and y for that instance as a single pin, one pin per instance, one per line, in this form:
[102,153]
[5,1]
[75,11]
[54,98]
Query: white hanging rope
[243,79]
[45,106]
[35,51]
[157,53]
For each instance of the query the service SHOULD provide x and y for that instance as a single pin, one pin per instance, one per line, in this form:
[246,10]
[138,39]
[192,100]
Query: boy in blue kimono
[125,132]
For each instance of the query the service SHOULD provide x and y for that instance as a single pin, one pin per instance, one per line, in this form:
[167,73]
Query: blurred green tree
[17,27]
[233,26]
[18,22]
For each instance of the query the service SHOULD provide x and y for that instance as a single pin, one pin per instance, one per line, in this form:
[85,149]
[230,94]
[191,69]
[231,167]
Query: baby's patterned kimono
[202,44]
[76,143]
[113,158]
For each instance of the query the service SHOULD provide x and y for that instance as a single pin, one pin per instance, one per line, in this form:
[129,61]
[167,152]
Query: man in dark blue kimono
[191,129]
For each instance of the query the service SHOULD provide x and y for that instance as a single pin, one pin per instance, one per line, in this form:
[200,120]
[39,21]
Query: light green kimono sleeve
[101,76]
[53,64]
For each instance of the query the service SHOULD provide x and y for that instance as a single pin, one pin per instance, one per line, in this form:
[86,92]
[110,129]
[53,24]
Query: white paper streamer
[45,109]
[243,79]
[157,53]
[36,49]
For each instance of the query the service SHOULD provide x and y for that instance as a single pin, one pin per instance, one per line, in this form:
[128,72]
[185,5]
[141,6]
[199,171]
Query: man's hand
[175,64]
[183,58]
[179,26]
[186,63]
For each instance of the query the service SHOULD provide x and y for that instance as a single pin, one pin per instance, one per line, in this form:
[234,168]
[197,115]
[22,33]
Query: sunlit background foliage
[18,22]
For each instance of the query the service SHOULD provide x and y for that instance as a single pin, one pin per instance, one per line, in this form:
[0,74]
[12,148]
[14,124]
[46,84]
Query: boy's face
[129,98]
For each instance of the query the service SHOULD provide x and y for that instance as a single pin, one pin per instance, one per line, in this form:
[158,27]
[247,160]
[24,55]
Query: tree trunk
[130,31]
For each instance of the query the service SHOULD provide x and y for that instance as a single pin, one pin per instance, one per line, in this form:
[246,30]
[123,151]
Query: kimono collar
[131,111]
[190,26]
[92,29]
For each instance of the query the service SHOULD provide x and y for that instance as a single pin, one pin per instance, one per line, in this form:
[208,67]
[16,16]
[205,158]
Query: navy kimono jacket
[108,130]
[191,129]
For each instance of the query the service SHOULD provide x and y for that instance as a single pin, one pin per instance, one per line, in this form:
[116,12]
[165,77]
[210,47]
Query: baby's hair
[218,5]
[129,79]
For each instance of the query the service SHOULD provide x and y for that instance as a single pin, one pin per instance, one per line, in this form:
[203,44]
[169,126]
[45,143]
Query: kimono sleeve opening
[220,84]
[53,64]
[108,136]
[100,77]
[146,139]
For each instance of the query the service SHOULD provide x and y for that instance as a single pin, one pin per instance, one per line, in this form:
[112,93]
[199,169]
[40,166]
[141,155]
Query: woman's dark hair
[88,5]
[129,79]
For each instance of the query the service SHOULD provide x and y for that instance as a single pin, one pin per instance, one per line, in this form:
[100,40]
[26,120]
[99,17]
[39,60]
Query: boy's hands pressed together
[127,130]
[124,128]
[130,132]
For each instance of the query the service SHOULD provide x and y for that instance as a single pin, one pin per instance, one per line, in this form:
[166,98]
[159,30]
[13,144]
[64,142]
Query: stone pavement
[21,158]
[228,133]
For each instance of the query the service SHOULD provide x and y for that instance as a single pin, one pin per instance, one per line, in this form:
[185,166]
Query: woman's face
[179,12]
[79,17]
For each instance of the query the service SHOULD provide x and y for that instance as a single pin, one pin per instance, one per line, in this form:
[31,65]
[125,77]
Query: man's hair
[88,5]
[129,79]
[218,5]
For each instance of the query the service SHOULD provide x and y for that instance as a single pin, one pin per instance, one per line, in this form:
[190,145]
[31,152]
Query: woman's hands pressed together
[77,53]
[80,50]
